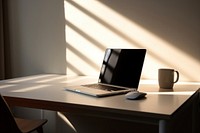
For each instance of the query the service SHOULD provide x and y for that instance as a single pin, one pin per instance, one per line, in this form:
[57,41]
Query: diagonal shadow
[82,56]
[125,14]
[176,23]
[113,29]
[108,26]
[86,36]
[116,31]
[74,69]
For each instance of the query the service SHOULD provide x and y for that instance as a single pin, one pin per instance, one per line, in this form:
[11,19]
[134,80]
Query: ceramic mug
[166,78]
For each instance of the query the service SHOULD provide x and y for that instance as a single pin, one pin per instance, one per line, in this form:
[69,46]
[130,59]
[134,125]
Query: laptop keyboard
[103,87]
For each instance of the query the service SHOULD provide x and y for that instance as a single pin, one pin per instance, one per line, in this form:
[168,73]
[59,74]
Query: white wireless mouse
[133,95]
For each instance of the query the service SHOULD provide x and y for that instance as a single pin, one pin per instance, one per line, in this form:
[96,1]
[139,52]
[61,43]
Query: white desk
[164,108]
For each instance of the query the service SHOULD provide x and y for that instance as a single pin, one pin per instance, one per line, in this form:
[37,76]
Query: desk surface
[47,92]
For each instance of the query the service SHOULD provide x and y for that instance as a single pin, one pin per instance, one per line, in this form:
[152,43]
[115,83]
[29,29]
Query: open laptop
[120,73]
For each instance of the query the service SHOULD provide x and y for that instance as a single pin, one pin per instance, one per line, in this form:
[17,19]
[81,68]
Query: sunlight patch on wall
[81,54]
[91,27]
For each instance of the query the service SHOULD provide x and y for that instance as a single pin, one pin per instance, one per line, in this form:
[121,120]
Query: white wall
[169,30]
[38,46]
[37,36]
[40,33]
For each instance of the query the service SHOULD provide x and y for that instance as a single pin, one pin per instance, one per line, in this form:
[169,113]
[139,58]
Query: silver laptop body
[120,73]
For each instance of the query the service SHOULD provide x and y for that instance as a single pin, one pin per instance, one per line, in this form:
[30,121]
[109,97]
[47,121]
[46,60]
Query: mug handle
[177,76]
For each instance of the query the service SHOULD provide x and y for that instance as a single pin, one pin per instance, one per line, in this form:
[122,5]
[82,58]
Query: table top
[47,92]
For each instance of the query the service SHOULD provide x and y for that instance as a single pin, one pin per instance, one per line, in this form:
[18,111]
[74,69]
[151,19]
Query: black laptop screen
[122,67]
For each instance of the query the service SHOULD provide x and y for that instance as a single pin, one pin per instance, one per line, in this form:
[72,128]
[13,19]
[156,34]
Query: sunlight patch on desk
[155,82]
[91,23]
[29,79]
[53,79]
[33,88]
[75,80]
[189,83]
[172,93]
[7,86]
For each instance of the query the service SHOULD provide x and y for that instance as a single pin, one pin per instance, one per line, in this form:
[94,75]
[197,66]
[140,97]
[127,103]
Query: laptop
[120,73]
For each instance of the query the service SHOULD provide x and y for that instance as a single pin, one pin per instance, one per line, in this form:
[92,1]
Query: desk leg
[164,127]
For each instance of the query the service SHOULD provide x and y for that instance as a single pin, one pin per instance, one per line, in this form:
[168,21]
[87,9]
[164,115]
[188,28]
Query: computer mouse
[133,95]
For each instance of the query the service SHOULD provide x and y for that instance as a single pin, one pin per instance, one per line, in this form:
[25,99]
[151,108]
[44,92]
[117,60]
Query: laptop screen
[122,67]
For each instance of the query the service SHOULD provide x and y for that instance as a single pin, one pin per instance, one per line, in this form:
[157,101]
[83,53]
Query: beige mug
[166,78]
